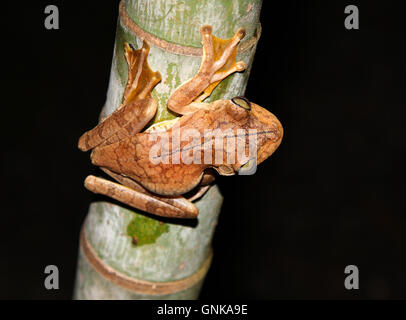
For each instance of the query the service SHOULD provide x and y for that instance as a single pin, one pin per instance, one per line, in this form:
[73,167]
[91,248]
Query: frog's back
[144,160]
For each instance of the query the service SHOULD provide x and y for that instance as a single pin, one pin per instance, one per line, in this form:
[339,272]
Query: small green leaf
[144,230]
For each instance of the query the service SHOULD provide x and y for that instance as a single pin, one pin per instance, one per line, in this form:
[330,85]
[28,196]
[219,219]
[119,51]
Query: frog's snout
[272,130]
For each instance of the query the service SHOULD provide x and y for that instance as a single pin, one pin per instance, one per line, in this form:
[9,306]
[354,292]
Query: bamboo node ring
[174,47]
[138,285]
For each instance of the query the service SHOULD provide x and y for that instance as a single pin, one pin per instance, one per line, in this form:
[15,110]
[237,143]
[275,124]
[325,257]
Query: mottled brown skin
[123,151]
[131,157]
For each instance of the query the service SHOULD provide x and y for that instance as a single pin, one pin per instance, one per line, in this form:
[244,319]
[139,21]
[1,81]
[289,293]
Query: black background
[331,196]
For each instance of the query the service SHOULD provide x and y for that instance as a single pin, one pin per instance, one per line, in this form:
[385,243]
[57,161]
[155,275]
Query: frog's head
[259,125]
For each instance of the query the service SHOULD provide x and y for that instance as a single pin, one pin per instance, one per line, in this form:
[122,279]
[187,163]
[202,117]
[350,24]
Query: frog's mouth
[270,145]
[162,126]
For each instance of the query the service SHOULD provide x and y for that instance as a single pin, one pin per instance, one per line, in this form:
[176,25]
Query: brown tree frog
[121,146]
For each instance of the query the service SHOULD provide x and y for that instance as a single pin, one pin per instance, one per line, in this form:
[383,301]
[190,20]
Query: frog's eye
[242,102]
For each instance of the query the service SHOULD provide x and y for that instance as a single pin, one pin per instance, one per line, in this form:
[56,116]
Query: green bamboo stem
[166,250]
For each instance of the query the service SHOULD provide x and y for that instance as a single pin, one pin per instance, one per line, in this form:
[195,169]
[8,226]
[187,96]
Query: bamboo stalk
[132,255]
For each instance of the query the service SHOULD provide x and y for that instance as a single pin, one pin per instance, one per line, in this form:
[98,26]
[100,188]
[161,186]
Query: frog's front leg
[165,207]
[218,62]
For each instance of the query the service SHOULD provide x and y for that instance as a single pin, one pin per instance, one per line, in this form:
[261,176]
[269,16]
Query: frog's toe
[240,66]
[240,33]
[206,29]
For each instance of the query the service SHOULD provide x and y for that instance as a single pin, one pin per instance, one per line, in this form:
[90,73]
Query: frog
[122,142]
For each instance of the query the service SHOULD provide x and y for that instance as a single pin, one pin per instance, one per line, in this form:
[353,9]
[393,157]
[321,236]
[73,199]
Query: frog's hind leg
[140,114]
[122,123]
[136,59]
[138,106]
[133,194]
[141,79]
